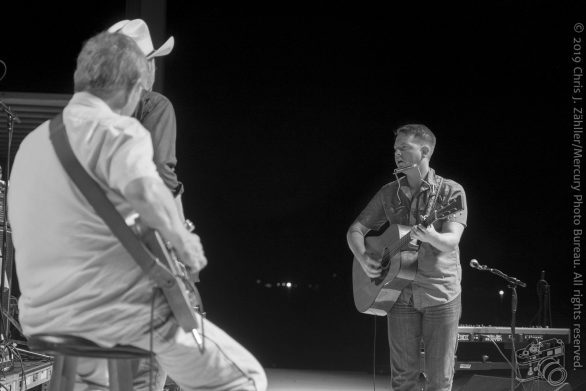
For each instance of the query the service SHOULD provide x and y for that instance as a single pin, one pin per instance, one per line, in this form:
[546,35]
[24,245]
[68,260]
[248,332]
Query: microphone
[400,170]
[6,109]
[474,263]
[512,280]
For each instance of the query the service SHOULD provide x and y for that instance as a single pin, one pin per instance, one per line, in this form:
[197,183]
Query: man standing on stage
[154,111]
[428,309]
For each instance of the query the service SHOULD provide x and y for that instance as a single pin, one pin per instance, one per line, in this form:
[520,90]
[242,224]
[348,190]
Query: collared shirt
[155,112]
[438,276]
[75,277]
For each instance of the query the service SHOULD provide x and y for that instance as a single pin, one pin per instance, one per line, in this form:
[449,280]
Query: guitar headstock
[451,208]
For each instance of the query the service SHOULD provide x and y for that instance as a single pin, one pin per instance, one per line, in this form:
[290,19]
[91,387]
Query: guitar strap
[431,201]
[104,207]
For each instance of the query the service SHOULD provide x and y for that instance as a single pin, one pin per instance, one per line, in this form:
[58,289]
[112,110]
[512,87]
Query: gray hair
[109,63]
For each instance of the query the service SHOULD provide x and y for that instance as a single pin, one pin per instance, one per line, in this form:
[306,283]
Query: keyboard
[468,333]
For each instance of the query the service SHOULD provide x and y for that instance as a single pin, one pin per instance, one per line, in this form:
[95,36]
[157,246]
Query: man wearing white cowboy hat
[154,111]
[138,30]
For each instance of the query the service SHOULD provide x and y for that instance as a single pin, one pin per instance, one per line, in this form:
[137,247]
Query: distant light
[278,284]
[501,293]
[258,281]
[268,285]
[288,285]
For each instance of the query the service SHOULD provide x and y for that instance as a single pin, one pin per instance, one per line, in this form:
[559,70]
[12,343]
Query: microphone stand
[9,113]
[512,284]
[543,314]
[6,258]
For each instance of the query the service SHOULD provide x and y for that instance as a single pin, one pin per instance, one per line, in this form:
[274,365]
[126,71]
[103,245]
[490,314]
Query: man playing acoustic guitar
[427,307]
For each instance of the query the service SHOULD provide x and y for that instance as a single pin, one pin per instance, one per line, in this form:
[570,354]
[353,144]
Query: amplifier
[35,374]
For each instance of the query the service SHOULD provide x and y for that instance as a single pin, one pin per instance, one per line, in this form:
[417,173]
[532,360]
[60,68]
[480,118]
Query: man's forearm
[156,207]
[355,238]
[179,205]
[444,242]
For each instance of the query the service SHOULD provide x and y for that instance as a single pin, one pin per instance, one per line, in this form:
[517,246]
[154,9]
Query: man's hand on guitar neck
[422,233]
[446,240]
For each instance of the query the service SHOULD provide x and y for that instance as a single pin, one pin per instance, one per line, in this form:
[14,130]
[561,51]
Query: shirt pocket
[398,215]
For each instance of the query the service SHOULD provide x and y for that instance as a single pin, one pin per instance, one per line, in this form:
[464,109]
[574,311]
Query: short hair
[109,63]
[419,131]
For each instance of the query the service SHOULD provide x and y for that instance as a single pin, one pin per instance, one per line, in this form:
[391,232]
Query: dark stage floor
[308,380]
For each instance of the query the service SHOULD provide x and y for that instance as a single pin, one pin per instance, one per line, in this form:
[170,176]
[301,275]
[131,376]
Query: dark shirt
[438,276]
[155,112]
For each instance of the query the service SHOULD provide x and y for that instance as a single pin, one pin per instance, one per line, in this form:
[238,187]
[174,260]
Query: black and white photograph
[291,198]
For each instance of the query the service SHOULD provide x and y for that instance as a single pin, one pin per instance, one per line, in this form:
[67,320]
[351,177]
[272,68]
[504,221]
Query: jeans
[224,365]
[437,326]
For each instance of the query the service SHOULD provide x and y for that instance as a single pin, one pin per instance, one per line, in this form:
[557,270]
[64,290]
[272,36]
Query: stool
[67,349]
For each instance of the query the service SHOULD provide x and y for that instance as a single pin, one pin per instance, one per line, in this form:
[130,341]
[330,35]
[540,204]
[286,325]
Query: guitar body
[183,297]
[376,296]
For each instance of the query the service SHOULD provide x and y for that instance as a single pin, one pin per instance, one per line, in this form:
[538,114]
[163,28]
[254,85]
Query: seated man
[75,276]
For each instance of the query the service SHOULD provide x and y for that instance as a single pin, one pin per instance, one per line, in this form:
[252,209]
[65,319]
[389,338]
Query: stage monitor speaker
[493,383]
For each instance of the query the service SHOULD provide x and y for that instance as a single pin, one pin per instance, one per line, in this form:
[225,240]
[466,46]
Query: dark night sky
[285,132]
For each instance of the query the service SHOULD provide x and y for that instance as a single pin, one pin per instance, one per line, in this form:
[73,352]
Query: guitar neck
[452,207]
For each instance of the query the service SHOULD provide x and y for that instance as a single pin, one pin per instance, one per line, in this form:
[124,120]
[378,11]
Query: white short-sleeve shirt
[74,275]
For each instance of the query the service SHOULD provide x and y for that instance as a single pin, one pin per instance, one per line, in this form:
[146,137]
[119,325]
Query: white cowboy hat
[138,30]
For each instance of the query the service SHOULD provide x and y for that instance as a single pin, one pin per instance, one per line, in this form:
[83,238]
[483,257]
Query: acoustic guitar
[398,255]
